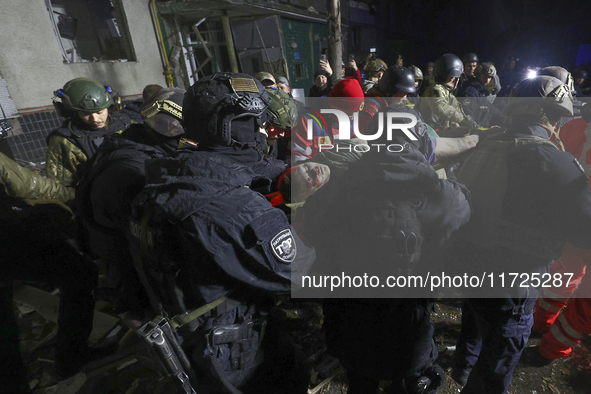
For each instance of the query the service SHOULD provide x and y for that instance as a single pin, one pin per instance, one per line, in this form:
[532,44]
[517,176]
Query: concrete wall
[32,64]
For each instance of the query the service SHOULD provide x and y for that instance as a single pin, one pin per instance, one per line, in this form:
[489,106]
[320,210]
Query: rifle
[164,346]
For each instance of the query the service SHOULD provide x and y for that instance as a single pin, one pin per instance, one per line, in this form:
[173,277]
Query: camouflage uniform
[428,82]
[25,184]
[441,108]
[70,146]
[63,159]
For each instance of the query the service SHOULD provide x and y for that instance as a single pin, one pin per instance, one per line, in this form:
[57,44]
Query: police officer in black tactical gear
[476,99]
[384,343]
[470,61]
[115,176]
[529,198]
[214,251]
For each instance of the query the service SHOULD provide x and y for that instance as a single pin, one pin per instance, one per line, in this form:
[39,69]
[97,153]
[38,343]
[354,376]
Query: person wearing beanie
[283,84]
[350,95]
[322,84]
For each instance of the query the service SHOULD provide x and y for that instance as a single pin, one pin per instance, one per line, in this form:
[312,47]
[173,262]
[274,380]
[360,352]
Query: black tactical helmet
[470,58]
[397,79]
[84,95]
[214,102]
[163,112]
[448,66]
[542,92]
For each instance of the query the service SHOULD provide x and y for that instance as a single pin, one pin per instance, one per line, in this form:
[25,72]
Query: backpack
[365,225]
[390,224]
[486,173]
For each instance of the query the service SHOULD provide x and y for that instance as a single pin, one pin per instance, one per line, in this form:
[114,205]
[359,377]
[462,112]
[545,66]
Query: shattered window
[91,31]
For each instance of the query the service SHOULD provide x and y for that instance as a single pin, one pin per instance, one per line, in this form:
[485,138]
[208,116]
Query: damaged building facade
[129,44]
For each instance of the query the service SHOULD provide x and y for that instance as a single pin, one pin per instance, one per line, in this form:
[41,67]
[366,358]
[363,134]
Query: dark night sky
[541,32]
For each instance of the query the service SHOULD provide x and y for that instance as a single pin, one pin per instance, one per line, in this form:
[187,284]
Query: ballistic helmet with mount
[417,73]
[560,73]
[542,94]
[163,112]
[83,95]
[282,112]
[448,66]
[374,67]
[213,103]
[397,79]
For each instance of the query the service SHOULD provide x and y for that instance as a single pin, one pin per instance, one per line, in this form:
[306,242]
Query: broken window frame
[117,26]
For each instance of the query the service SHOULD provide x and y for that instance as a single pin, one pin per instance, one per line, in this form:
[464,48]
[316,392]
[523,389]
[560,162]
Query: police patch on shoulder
[283,246]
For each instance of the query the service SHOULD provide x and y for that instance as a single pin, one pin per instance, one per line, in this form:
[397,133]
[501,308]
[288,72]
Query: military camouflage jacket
[24,184]
[69,147]
[440,107]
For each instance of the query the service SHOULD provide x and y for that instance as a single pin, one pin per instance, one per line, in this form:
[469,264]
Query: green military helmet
[84,95]
[283,111]
[542,94]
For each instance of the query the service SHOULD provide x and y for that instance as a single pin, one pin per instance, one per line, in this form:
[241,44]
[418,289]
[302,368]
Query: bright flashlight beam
[531,74]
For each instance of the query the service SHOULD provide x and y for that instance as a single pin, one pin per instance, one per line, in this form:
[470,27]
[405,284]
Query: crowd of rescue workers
[204,208]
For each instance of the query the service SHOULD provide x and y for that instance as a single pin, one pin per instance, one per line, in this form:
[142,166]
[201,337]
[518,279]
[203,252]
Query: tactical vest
[391,237]
[485,173]
[90,140]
